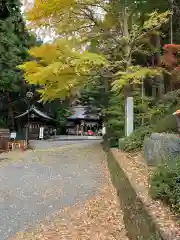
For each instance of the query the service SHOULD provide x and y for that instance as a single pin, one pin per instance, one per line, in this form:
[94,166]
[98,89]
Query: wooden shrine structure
[82,120]
[36,119]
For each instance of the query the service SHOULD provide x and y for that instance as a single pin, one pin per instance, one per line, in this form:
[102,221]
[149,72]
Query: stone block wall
[161,147]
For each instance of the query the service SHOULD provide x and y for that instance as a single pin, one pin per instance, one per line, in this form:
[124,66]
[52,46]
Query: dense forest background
[102,53]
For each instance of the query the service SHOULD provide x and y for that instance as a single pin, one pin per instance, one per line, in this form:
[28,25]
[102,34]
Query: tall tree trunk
[10,112]
[159,79]
[106,99]
[171,34]
[142,101]
[127,88]
[171,22]
[126,35]
[154,86]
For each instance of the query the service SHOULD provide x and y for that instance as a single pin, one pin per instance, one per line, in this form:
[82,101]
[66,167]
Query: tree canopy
[106,50]
[14,43]
[93,38]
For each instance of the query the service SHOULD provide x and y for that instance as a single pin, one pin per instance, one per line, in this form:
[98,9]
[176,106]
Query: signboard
[41,132]
[13,135]
[129,114]
[103,130]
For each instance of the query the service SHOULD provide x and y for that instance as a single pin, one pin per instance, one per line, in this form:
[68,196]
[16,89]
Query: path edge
[139,219]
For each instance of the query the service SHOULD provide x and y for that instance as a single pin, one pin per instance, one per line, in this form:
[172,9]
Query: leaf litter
[99,218]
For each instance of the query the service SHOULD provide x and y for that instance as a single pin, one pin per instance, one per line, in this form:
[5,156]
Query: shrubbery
[160,120]
[135,141]
[165,185]
[166,124]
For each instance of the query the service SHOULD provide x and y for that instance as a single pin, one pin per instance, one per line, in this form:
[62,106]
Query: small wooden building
[81,121]
[37,119]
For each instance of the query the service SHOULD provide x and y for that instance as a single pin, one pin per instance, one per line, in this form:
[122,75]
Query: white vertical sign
[129,114]
[41,133]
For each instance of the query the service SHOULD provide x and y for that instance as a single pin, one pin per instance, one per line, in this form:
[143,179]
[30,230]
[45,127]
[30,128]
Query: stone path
[37,183]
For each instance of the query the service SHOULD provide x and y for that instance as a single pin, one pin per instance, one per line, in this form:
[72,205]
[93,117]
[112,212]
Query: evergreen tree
[14,42]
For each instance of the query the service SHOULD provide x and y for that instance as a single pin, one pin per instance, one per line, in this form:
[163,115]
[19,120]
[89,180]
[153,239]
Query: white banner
[129,116]
[41,132]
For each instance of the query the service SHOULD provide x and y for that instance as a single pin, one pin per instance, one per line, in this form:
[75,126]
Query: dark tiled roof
[80,112]
[35,110]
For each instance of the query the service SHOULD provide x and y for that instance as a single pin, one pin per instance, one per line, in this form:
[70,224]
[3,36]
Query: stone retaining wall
[161,147]
[140,223]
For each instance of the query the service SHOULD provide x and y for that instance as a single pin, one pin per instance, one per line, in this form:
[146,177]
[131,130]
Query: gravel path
[36,184]
[98,218]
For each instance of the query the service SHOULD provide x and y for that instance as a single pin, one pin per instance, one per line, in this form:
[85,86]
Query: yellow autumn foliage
[67,17]
[59,68]
[64,65]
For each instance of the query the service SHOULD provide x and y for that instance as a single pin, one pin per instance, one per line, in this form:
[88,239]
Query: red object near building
[90,133]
